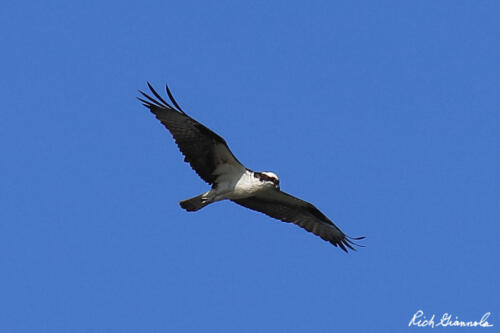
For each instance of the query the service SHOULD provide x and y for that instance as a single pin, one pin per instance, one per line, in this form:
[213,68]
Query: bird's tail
[194,204]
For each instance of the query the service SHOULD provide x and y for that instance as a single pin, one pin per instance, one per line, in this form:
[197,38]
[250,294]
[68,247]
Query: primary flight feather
[210,157]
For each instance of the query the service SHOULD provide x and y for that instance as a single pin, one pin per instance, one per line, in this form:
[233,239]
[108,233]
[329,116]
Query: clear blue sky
[385,115]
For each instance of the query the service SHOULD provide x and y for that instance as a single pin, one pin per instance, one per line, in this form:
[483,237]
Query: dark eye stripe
[264,177]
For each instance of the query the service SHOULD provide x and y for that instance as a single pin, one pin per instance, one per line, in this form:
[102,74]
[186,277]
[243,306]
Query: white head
[268,177]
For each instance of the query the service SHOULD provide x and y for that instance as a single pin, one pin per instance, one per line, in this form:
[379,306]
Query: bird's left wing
[287,208]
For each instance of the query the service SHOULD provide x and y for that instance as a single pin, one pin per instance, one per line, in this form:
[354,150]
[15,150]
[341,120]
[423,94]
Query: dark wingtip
[341,245]
[158,95]
[159,102]
[173,99]
[151,101]
[348,243]
[145,103]
[350,240]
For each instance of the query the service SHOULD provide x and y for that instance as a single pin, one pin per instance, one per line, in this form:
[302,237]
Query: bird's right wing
[202,148]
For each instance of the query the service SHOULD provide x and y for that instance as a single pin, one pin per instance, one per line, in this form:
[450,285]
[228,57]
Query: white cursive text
[446,320]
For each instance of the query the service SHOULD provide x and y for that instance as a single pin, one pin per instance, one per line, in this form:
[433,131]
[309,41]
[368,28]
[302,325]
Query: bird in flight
[210,157]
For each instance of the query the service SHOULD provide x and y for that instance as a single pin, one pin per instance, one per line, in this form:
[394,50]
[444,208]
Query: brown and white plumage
[210,157]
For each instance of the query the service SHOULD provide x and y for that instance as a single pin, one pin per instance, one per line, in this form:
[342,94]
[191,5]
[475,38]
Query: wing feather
[202,148]
[287,208]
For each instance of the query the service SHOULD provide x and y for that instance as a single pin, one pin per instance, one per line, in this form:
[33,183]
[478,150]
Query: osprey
[210,157]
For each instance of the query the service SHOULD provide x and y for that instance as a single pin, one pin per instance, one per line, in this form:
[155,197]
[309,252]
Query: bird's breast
[244,186]
[234,184]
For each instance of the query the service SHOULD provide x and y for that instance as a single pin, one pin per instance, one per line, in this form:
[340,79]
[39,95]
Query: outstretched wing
[203,149]
[287,208]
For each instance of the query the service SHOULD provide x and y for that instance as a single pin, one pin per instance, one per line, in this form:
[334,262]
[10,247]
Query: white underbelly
[240,187]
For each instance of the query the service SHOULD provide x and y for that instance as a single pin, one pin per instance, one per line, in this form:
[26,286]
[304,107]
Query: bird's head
[269,177]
